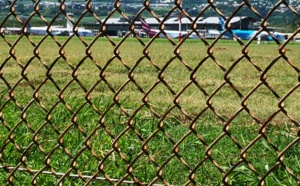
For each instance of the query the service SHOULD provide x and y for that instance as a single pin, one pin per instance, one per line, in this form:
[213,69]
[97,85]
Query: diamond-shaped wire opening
[11,153]
[102,51]
[86,163]
[58,160]
[100,143]
[291,106]
[160,98]
[34,157]
[73,139]
[60,68]
[192,52]
[72,180]
[282,77]
[209,75]
[160,59]
[114,166]
[87,73]
[21,175]
[145,74]
[280,175]
[242,175]
[225,158]
[74,51]
[47,50]
[33,112]
[45,137]
[243,73]
[265,103]
[192,100]
[144,169]
[11,115]
[129,144]
[3,51]
[162,151]
[226,101]
[22,92]
[130,97]
[212,174]
[87,118]
[116,74]
[190,145]
[244,128]
[115,120]
[267,155]
[45,179]
[59,116]
[175,164]
[171,73]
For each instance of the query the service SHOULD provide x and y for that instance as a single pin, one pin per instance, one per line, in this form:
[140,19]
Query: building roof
[13,28]
[201,20]
[113,21]
[175,20]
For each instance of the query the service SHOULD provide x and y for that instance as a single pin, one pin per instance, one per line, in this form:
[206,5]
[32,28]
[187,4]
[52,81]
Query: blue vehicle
[248,34]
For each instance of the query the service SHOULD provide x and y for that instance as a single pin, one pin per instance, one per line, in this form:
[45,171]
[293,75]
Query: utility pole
[180,17]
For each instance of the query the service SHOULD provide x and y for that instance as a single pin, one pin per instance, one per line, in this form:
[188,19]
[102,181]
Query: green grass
[55,123]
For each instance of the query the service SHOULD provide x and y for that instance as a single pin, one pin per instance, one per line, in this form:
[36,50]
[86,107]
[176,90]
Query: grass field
[94,115]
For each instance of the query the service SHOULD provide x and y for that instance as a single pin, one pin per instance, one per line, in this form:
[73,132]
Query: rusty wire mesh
[85,140]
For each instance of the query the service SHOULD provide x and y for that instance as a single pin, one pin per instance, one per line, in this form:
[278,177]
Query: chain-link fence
[147,111]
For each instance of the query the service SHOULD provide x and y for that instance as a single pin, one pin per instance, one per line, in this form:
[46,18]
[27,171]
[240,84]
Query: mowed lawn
[149,110]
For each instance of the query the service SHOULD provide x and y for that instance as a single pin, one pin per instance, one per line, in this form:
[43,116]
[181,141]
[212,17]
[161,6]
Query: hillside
[282,17]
